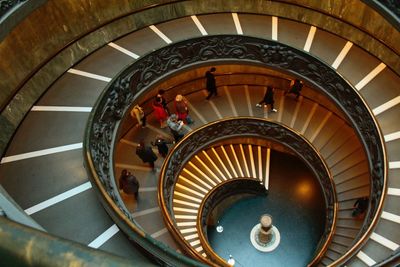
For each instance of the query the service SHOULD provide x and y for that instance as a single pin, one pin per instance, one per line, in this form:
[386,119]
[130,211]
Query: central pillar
[265,234]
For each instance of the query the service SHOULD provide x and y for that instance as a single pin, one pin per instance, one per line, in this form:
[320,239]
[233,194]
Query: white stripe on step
[310,38]
[365,258]
[56,199]
[391,217]
[234,111]
[43,152]
[198,114]
[214,107]
[246,89]
[386,106]
[61,108]
[384,241]
[310,115]
[145,212]
[104,237]
[394,165]
[392,136]
[237,23]
[321,125]
[275,28]
[89,75]
[199,25]
[159,233]
[123,50]
[342,55]
[393,191]
[360,85]
[160,34]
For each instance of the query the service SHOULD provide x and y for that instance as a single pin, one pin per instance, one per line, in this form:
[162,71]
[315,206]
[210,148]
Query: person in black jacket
[360,207]
[268,99]
[146,154]
[210,83]
[161,145]
[295,88]
[129,184]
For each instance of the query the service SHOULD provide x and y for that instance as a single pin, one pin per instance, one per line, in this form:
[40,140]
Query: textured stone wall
[59,33]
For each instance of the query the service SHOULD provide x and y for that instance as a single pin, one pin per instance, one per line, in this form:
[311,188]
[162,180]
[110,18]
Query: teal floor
[297,206]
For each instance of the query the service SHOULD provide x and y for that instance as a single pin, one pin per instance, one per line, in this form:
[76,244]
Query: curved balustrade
[7,5]
[137,78]
[221,131]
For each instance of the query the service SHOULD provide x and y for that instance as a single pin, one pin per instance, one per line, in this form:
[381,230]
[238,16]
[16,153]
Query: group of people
[163,114]
[175,122]
[295,88]
[128,182]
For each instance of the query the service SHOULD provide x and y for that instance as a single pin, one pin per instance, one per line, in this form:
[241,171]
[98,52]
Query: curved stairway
[326,131]
[206,171]
[33,174]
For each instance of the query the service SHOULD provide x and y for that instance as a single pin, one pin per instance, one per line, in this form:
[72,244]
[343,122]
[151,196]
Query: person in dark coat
[129,184]
[268,99]
[161,145]
[210,83]
[146,154]
[295,88]
[360,207]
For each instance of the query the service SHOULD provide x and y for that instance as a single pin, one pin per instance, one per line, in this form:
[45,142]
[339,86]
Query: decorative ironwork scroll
[142,74]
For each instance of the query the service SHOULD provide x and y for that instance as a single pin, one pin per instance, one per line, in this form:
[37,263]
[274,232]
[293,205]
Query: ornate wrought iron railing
[249,127]
[143,74]
[7,5]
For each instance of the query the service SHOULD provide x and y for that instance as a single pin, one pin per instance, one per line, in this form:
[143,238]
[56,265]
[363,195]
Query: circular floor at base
[297,206]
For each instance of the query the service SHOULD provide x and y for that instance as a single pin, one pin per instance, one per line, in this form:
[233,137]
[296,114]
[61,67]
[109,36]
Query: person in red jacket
[160,113]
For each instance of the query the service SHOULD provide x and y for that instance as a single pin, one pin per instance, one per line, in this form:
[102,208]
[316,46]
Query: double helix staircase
[329,134]
[34,180]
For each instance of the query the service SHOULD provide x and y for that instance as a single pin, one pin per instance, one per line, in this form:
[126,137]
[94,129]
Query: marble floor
[297,206]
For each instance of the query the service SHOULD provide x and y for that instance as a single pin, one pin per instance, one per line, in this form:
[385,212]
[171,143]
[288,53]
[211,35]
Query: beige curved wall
[78,27]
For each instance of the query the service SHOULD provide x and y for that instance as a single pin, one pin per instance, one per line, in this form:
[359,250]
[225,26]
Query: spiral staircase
[43,171]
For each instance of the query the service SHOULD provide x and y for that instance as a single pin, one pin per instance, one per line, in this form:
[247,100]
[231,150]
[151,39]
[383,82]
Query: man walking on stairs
[210,83]
[268,99]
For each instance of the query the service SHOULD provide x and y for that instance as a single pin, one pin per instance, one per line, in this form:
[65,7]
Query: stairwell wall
[49,41]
